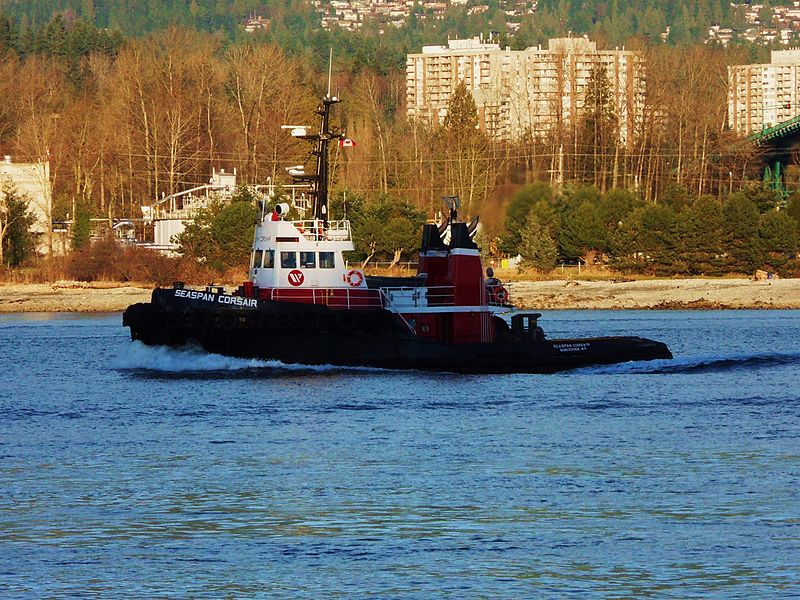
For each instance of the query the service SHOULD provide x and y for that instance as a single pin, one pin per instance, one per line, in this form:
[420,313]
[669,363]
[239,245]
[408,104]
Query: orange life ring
[353,278]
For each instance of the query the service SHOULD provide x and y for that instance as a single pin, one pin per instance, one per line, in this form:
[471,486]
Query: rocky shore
[658,294]
[66,296]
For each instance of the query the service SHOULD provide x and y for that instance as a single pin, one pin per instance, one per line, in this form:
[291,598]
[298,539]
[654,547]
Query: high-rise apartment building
[760,96]
[534,90]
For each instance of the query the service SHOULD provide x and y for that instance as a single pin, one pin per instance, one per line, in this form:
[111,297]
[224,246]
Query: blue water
[134,472]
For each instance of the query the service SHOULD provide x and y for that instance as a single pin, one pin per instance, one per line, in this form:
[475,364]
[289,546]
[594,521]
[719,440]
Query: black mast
[319,181]
[323,139]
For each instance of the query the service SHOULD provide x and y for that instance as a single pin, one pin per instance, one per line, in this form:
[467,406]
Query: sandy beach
[65,296]
[70,296]
[658,294]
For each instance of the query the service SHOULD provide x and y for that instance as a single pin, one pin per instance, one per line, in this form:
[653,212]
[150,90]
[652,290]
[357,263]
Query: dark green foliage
[58,38]
[575,195]
[740,221]
[581,232]
[81,232]
[793,209]
[615,205]
[386,228]
[764,198]
[651,240]
[538,248]
[700,238]
[222,235]
[295,25]
[17,241]
[676,197]
[9,34]
[777,235]
[683,235]
[461,120]
[518,212]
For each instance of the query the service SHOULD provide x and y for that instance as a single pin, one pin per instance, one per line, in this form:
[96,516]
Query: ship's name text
[572,347]
[222,299]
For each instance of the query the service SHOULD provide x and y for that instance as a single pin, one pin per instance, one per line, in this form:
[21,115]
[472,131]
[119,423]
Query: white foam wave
[179,360]
[138,356]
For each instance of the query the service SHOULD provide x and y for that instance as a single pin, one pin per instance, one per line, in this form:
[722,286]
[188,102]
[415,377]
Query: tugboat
[303,304]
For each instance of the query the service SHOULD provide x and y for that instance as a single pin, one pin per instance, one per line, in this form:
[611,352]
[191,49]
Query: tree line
[125,122]
[682,234]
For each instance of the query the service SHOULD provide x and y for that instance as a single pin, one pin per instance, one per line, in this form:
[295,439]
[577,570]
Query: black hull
[316,335]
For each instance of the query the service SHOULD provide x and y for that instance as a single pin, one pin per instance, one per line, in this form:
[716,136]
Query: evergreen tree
[599,128]
[519,211]
[466,170]
[582,234]
[9,34]
[793,209]
[386,228]
[538,248]
[700,244]
[222,235]
[15,221]
[81,233]
[740,233]
[777,240]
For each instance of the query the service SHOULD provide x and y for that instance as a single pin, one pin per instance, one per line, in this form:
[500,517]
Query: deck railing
[352,298]
[314,231]
[396,299]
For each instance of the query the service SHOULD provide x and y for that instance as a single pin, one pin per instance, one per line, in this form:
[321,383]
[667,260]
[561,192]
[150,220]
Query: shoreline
[559,294]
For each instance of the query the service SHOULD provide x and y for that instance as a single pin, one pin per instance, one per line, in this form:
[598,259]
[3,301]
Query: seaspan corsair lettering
[195,295]
[238,301]
[221,299]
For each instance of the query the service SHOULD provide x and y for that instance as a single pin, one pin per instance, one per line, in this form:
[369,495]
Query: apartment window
[288,260]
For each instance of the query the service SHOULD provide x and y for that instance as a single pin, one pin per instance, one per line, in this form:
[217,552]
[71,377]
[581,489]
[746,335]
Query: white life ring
[353,278]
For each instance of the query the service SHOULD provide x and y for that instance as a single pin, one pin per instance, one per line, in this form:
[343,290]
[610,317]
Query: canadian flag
[346,143]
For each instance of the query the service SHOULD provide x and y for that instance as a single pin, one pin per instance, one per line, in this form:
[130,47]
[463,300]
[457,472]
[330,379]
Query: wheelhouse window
[257,259]
[326,260]
[269,259]
[308,260]
[288,260]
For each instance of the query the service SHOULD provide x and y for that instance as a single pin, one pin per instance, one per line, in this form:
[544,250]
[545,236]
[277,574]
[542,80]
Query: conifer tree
[538,248]
[465,146]
[15,220]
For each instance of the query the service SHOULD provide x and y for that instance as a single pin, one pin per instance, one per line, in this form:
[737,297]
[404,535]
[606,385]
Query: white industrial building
[32,181]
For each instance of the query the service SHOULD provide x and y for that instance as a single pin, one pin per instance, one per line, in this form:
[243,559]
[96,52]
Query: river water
[127,471]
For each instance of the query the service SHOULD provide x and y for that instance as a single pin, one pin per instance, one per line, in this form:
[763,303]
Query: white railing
[314,230]
[423,297]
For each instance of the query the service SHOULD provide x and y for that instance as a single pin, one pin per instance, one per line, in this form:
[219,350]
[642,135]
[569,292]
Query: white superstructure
[302,254]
